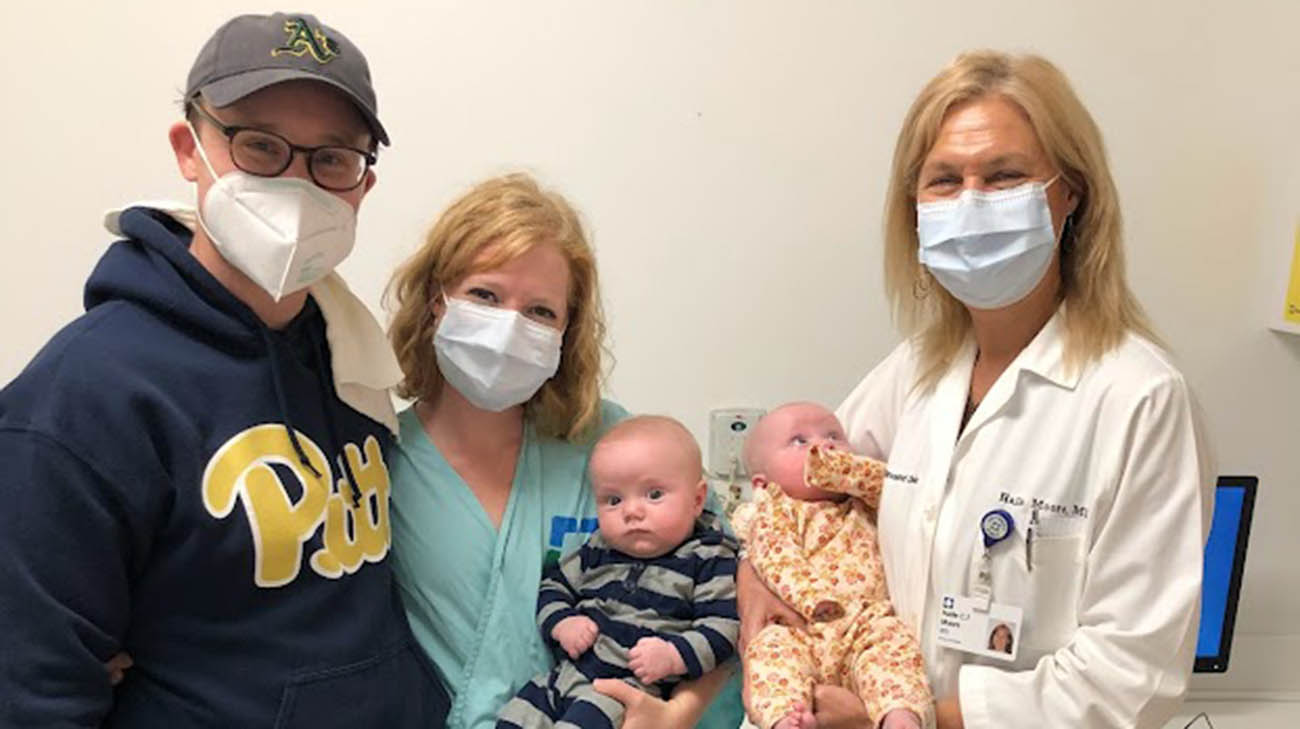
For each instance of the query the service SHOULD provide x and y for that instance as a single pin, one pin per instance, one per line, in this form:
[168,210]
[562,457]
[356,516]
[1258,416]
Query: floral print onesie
[822,559]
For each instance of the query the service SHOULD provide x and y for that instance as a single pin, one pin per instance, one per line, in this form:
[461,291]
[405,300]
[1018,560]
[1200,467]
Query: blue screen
[1219,551]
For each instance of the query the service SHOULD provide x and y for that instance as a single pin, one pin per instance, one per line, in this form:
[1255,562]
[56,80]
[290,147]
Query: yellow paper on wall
[1291,313]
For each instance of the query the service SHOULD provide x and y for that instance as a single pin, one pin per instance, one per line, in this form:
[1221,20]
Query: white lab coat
[1115,456]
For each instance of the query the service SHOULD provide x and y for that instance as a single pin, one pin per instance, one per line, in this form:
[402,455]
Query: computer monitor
[1225,558]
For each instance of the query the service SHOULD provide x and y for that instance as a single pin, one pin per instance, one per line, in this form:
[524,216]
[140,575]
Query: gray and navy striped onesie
[686,597]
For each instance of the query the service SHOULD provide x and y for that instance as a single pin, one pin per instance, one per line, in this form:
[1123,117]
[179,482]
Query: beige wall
[730,158]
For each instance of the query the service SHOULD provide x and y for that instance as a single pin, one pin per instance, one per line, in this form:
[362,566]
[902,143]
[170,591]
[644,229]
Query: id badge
[993,633]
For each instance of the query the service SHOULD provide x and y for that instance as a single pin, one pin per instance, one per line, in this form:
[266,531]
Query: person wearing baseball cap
[194,467]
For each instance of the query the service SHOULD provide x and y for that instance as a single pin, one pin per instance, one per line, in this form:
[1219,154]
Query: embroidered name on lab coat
[908,478]
[1045,507]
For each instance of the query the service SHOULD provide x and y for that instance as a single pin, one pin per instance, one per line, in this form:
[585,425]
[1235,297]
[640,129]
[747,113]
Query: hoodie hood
[362,362]
[153,268]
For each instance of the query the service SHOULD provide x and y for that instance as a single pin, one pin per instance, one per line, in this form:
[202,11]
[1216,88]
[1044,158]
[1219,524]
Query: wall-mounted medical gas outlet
[727,430]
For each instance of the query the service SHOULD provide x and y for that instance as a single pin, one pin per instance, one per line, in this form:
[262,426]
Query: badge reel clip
[995,526]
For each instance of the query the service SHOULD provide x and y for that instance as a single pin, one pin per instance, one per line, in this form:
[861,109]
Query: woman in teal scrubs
[499,331]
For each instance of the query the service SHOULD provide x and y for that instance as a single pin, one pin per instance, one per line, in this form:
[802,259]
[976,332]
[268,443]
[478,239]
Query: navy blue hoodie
[182,483]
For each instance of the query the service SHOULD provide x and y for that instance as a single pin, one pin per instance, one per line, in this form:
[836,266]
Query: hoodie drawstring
[327,403]
[276,379]
[327,396]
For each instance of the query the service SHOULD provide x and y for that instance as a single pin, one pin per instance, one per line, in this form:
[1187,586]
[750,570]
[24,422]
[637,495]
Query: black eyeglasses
[267,154]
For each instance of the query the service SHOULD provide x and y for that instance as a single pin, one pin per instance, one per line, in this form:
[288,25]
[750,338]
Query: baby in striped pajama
[650,598]
[810,534]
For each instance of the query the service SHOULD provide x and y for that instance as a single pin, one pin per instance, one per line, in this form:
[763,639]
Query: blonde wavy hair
[1099,307]
[509,214]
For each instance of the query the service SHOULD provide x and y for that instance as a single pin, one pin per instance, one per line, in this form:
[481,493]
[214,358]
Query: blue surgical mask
[988,249]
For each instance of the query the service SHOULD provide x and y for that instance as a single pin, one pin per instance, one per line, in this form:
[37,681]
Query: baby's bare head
[647,477]
[777,447]
[667,438]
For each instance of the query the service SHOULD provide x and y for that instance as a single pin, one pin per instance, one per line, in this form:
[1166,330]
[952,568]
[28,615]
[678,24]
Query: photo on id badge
[1001,638]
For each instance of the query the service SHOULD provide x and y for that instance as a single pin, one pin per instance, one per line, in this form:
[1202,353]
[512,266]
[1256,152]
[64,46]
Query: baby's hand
[575,634]
[826,611]
[654,659]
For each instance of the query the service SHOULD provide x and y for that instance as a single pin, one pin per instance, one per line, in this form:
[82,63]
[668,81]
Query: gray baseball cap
[251,52]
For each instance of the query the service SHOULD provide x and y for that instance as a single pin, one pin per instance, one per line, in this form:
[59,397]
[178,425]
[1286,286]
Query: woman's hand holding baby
[575,634]
[654,659]
[839,708]
[759,606]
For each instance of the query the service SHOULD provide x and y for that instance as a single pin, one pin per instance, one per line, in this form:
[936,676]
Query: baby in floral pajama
[810,534]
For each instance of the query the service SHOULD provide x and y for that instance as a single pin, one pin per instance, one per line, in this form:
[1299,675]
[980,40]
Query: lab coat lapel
[946,408]
[944,415]
[997,396]
[1043,356]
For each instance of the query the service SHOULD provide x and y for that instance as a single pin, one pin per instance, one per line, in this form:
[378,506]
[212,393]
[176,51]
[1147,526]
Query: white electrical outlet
[727,430]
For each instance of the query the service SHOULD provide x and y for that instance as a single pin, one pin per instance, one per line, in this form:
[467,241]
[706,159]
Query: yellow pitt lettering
[241,469]
[370,534]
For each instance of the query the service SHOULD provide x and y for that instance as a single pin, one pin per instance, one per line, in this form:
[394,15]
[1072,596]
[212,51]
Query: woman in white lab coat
[1047,467]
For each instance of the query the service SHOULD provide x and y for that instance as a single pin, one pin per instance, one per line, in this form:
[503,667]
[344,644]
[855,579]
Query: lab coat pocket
[1054,583]
[1040,574]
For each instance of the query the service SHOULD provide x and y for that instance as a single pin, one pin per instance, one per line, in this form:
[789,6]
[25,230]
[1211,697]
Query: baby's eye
[655,494]
[613,500]
[799,440]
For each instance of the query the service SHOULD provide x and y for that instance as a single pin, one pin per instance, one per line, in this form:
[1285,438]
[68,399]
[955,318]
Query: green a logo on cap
[301,39]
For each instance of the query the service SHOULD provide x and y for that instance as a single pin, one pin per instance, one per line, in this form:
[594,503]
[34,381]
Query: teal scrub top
[470,590]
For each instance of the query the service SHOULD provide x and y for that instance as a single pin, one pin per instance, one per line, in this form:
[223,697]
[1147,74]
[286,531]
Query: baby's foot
[800,718]
[901,719]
